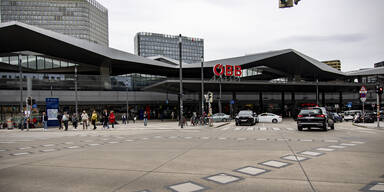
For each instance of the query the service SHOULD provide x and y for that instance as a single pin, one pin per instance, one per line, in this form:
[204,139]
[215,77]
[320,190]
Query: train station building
[277,81]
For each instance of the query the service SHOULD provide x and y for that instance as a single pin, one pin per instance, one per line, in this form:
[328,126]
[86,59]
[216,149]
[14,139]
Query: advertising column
[52,105]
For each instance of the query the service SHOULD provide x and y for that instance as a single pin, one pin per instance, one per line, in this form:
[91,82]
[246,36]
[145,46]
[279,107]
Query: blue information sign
[52,106]
[349,104]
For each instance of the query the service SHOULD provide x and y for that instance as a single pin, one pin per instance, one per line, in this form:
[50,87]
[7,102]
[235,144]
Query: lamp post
[76,99]
[317,92]
[202,85]
[127,115]
[181,83]
[21,88]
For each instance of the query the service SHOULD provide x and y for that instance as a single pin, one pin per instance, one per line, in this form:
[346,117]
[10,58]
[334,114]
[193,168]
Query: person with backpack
[112,119]
[75,121]
[65,120]
[94,119]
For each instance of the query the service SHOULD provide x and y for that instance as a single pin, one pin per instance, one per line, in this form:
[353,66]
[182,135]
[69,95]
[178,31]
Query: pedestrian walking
[44,119]
[65,120]
[94,119]
[112,119]
[84,119]
[145,116]
[105,116]
[134,118]
[173,115]
[75,121]
[60,119]
[124,118]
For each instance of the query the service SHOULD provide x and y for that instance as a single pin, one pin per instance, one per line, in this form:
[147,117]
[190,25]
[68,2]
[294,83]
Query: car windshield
[310,111]
[245,113]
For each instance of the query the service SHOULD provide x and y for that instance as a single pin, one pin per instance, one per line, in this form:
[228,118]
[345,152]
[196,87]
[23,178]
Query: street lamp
[181,84]
[76,99]
[202,85]
[127,115]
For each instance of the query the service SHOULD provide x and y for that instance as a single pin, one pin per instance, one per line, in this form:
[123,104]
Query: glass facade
[83,19]
[153,44]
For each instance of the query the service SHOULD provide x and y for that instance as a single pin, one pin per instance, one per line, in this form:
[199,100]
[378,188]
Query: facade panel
[83,19]
[153,44]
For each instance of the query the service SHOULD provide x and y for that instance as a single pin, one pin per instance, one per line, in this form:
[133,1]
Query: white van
[349,115]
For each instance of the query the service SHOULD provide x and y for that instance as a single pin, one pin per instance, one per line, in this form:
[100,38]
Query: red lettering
[220,67]
[228,70]
[238,72]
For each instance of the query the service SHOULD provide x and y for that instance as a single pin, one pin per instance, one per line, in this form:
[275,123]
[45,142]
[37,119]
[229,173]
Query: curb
[359,125]
[224,124]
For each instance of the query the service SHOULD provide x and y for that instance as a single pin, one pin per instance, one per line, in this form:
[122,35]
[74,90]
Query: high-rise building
[153,44]
[334,63]
[83,19]
[379,64]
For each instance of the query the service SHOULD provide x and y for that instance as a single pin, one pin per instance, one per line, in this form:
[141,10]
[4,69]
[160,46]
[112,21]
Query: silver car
[221,117]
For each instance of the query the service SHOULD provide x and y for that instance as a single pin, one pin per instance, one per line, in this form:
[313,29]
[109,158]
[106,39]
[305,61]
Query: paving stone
[294,158]
[223,178]
[253,171]
[187,187]
[337,146]
[311,153]
[325,149]
[275,164]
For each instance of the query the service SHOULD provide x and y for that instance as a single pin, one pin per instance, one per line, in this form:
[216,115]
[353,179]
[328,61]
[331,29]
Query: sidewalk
[370,125]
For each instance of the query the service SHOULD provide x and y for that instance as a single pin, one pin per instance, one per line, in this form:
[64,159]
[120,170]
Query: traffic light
[29,101]
[380,90]
[286,3]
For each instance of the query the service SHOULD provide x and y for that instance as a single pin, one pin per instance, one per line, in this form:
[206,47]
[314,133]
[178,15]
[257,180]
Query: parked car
[336,117]
[367,118]
[221,117]
[314,117]
[246,117]
[350,115]
[269,117]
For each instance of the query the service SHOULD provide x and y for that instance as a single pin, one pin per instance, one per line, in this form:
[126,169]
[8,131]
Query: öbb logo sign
[227,70]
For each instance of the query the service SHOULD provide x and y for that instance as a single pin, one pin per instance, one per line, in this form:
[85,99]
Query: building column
[105,71]
[261,102]
[282,104]
[341,100]
[293,110]
[323,99]
[233,107]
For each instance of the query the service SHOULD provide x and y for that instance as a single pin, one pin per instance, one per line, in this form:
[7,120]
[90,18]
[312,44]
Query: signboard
[349,104]
[52,106]
[227,70]
[232,102]
[363,99]
[363,90]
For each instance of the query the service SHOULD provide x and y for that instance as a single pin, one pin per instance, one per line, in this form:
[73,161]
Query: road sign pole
[363,113]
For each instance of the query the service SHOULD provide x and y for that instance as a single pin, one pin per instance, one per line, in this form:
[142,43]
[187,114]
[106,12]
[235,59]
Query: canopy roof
[17,37]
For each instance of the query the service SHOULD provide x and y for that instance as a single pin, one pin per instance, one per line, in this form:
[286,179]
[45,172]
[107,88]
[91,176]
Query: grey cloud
[341,38]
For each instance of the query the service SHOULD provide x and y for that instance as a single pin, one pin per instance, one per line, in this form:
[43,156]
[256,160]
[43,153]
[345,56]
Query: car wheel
[299,128]
[325,128]
[274,120]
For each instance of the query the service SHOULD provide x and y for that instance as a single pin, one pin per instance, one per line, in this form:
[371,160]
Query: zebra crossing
[256,128]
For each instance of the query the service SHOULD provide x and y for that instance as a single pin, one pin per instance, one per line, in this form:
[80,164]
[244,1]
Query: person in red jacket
[112,119]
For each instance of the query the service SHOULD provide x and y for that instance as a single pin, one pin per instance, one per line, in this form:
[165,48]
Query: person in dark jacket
[44,119]
[75,121]
[60,118]
[105,117]
[145,116]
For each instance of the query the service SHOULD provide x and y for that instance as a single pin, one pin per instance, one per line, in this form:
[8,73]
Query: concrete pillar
[261,103]
[341,100]
[323,99]
[294,106]
[105,71]
[283,104]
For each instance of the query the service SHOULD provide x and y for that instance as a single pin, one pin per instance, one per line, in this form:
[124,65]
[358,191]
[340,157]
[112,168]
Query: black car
[314,117]
[246,117]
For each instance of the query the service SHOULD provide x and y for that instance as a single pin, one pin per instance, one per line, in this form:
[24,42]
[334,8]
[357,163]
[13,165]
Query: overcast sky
[349,30]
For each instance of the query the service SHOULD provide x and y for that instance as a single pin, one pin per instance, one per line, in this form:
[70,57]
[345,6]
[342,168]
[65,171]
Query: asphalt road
[162,157]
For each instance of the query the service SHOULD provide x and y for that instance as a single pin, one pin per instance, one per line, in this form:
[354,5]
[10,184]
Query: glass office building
[153,44]
[83,19]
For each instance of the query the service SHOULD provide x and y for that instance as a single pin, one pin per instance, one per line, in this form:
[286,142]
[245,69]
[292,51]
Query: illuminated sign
[227,70]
